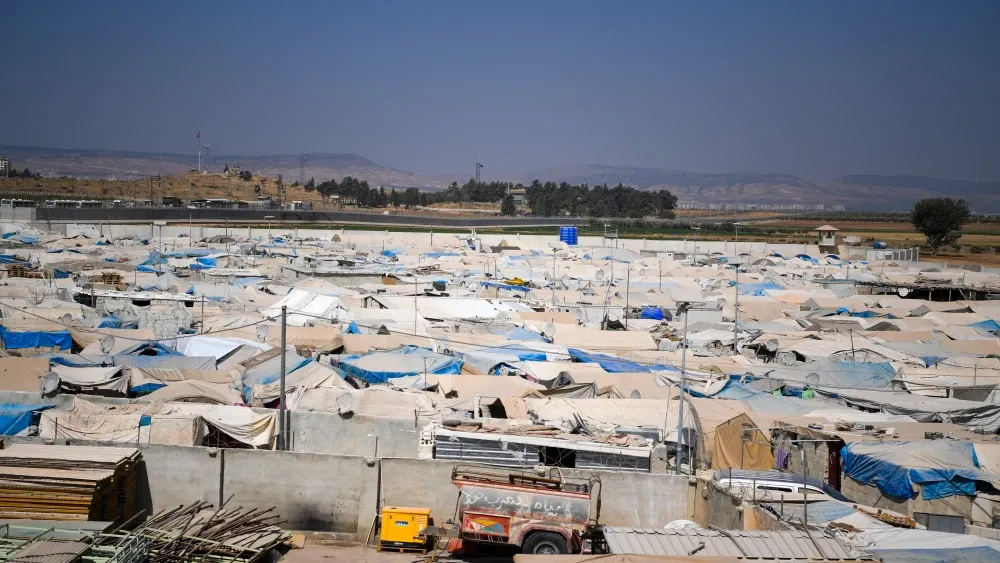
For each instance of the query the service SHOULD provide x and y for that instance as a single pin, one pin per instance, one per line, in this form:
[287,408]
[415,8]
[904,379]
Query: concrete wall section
[170,476]
[309,491]
[330,433]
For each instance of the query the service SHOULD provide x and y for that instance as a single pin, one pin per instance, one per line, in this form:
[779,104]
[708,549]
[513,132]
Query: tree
[310,185]
[940,219]
[507,206]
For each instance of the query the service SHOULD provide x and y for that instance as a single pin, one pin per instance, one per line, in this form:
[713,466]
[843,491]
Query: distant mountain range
[854,191]
[872,192]
[126,164]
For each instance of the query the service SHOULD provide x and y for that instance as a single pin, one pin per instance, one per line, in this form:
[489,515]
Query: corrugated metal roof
[761,545]
[50,552]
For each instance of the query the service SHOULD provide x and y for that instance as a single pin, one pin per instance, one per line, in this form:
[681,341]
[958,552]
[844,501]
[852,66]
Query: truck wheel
[545,543]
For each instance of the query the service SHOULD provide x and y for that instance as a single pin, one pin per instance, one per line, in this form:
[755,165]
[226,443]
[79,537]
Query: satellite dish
[67,318]
[812,379]
[262,331]
[635,394]
[107,344]
[903,291]
[49,383]
[642,271]
[599,275]
[550,329]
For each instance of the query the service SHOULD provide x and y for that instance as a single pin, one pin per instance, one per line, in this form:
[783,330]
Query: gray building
[4,166]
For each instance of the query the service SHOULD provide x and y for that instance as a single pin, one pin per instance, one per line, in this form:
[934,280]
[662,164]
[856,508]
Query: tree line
[26,173]
[548,198]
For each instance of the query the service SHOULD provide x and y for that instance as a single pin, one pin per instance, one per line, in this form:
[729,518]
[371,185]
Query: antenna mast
[479,166]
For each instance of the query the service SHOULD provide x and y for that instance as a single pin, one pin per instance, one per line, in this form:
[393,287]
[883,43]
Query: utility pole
[680,412]
[282,408]
[628,285]
[736,300]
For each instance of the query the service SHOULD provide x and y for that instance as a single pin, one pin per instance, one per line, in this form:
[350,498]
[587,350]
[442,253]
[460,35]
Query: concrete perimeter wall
[342,493]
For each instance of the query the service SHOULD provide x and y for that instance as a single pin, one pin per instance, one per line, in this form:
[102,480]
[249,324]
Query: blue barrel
[880,245]
[568,235]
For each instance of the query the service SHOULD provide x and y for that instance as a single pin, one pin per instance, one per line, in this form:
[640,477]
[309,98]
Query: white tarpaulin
[310,306]
[214,346]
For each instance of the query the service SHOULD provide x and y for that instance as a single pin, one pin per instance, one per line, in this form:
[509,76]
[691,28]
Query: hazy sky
[811,87]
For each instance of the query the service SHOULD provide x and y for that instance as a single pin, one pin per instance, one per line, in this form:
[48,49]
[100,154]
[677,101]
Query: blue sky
[816,88]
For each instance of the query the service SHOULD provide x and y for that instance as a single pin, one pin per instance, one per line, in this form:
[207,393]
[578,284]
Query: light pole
[269,217]
[682,307]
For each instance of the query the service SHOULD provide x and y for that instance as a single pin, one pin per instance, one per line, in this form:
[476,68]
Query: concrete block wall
[165,319]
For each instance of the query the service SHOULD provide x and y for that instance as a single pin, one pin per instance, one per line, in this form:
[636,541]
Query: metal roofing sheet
[50,552]
[762,545]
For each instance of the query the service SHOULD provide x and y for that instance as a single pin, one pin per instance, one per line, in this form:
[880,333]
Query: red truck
[541,514]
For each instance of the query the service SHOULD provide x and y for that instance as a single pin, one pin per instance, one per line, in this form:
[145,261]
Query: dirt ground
[320,551]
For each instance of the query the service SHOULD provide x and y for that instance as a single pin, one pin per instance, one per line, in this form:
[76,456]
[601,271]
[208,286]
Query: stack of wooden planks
[68,482]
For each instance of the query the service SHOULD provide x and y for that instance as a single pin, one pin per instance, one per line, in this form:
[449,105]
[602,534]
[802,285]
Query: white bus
[17,203]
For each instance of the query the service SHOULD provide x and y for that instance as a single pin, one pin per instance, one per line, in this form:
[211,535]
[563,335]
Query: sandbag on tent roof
[943,468]
[91,380]
[379,367]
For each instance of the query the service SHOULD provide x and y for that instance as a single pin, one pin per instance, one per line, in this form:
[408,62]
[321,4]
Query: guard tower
[827,238]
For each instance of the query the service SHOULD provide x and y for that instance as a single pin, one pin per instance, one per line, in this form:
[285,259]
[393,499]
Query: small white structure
[827,238]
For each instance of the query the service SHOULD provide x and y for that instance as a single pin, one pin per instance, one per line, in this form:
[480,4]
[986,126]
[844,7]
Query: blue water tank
[568,235]
[880,245]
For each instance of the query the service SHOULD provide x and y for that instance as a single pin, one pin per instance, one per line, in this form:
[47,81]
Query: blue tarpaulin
[60,339]
[199,266]
[654,313]
[943,468]
[506,286]
[612,364]
[757,289]
[14,418]
[59,274]
[989,325]
[379,367]
[208,261]
[110,322]
[8,259]
[517,333]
